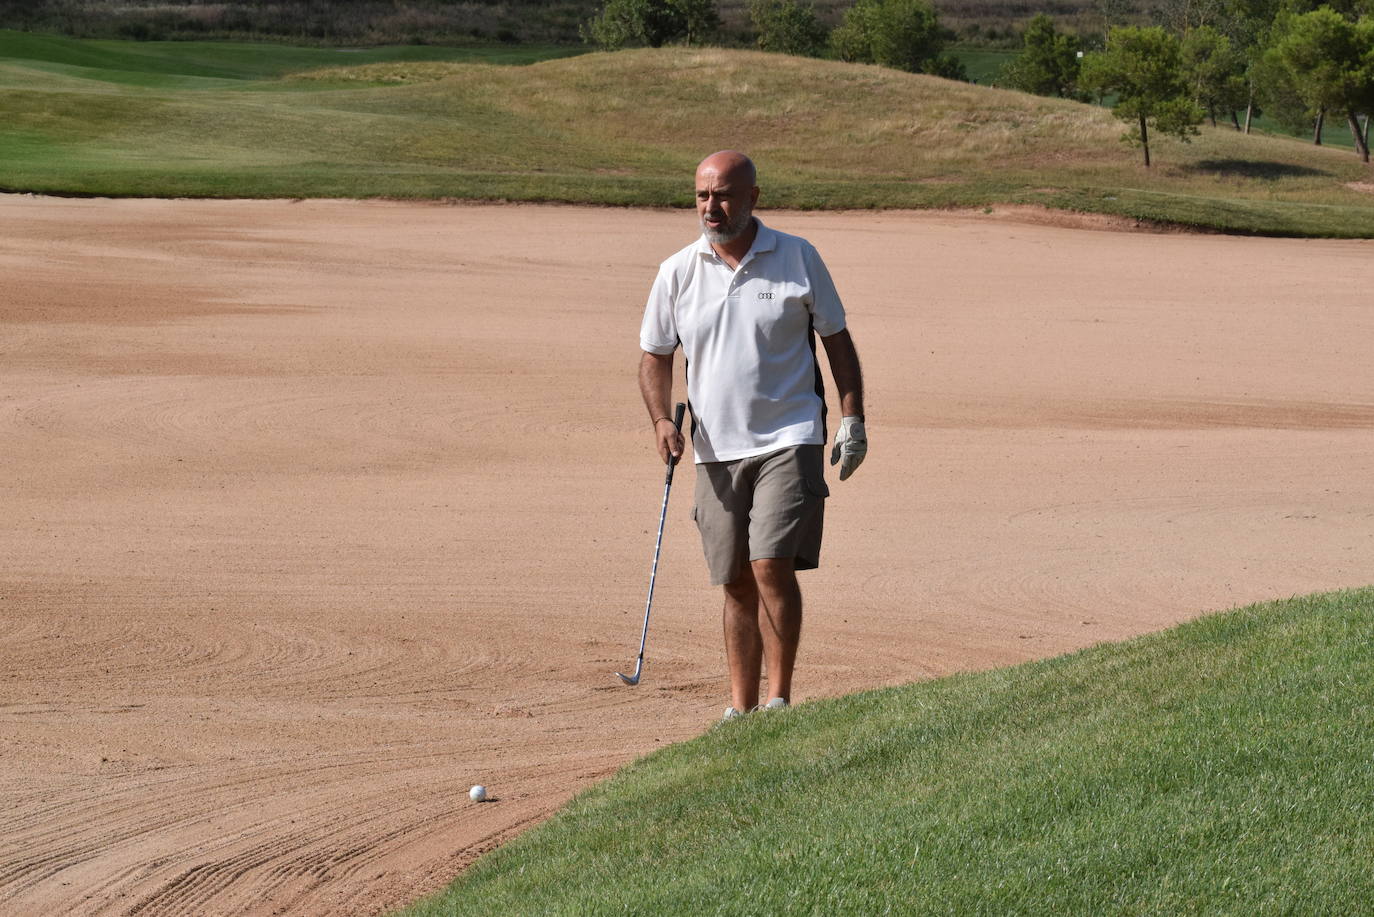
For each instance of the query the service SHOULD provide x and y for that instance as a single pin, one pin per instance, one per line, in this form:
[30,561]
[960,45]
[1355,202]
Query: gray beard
[732,230]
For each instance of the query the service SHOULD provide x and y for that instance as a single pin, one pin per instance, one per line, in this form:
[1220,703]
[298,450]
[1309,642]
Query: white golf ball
[478,793]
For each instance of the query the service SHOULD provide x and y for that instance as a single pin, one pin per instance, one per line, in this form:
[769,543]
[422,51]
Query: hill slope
[627,128]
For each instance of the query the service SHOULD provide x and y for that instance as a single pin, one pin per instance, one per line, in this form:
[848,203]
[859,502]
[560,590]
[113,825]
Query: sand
[315,514]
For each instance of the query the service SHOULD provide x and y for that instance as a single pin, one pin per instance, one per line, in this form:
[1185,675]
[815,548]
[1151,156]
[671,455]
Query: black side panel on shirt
[820,381]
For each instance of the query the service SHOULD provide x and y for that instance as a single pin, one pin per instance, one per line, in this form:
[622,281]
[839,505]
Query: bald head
[731,166]
[726,194]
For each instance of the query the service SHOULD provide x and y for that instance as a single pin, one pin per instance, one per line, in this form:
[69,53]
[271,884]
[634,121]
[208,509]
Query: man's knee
[775,573]
[743,588]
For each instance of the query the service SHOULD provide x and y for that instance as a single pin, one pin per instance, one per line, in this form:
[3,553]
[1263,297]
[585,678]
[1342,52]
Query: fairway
[318,513]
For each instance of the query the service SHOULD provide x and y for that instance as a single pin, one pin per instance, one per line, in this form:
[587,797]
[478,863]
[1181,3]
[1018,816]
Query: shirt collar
[765,241]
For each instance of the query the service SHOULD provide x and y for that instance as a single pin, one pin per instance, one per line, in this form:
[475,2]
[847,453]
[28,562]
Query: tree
[1330,61]
[1215,72]
[1048,65]
[902,34]
[788,27]
[1116,12]
[1247,24]
[1350,9]
[1279,95]
[652,22]
[852,38]
[1142,67]
[1182,16]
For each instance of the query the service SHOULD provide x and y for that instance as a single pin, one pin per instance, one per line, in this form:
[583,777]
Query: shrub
[902,34]
[1048,65]
[788,27]
[652,22]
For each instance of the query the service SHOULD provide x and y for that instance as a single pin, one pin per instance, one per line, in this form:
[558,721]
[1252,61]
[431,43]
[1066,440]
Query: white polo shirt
[752,375]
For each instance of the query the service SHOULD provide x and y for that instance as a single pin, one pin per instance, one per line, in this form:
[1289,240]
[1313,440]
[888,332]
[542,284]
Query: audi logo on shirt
[767,295]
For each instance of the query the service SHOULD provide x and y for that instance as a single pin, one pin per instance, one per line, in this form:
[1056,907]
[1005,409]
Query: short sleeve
[826,309]
[658,331]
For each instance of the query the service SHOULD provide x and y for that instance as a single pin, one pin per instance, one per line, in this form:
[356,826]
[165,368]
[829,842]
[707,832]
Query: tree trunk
[1236,121]
[1212,115]
[1361,145]
[1367,119]
[1145,140]
[1249,112]
[1317,131]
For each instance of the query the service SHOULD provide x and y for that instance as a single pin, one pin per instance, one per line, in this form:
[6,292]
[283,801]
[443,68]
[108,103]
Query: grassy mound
[1223,767]
[624,128]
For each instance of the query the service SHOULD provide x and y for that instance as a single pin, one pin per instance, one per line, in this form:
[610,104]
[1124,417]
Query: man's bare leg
[779,620]
[743,642]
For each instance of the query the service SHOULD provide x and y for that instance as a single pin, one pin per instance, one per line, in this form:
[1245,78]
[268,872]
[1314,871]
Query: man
[742,302]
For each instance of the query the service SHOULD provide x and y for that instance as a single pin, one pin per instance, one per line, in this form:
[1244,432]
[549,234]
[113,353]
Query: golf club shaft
[658,544]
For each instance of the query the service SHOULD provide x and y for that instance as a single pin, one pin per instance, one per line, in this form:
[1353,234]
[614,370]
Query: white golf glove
[851,445]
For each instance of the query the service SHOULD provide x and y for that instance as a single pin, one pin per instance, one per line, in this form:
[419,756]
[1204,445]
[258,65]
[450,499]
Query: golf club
[658,546]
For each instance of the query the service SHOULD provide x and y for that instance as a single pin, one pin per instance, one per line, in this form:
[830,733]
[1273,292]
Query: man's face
[725,204]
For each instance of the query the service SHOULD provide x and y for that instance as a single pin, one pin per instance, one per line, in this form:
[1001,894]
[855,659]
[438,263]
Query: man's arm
[844,366]
[656,387]
[851,439]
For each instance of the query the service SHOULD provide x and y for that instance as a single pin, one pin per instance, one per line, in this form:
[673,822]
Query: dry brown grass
[833,119]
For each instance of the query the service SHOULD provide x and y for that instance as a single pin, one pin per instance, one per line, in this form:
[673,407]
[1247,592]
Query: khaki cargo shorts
[764,506]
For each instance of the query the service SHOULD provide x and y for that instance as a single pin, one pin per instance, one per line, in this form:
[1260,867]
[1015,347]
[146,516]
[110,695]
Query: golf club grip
[678,413]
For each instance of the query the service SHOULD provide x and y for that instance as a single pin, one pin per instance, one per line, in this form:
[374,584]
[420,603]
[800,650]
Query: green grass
[984,66]
[206,120]
[1223,767]
[1335,130]
[181,64]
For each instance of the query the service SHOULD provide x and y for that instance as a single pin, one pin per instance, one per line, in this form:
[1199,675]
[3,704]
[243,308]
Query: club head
[628,679]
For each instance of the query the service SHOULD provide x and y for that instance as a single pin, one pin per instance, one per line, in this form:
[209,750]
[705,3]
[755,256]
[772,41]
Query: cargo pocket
[813,478]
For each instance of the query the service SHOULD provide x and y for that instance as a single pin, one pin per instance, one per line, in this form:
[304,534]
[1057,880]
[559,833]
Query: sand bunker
[315,514]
